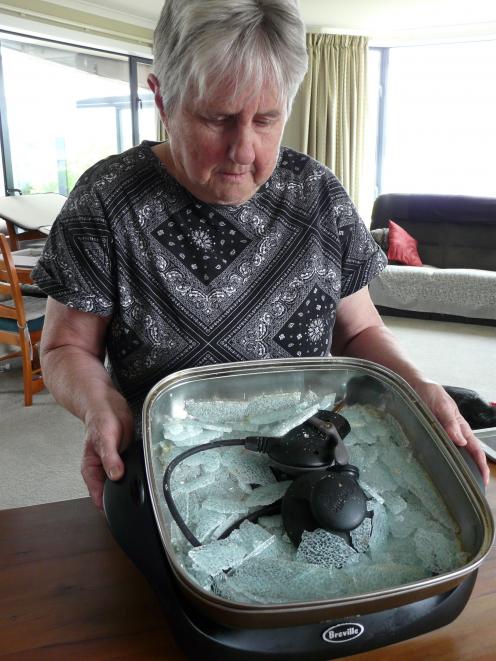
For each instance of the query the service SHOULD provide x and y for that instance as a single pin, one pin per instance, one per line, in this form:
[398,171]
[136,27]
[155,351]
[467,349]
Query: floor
[453,354]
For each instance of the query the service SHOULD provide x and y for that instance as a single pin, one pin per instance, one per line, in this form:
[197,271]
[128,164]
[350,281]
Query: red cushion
[402,248]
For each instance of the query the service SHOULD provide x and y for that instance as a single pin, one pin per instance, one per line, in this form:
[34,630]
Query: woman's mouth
[234,177]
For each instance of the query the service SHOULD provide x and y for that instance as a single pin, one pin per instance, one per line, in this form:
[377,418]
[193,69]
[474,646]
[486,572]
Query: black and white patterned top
[188,283]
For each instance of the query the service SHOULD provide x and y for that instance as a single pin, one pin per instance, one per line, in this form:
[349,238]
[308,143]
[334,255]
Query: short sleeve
[361,257]
[76,266]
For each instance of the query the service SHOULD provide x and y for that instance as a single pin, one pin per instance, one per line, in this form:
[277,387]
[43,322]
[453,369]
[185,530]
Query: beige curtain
[161,132]
[328,118]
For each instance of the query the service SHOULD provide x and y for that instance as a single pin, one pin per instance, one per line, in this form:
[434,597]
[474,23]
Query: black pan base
[130,516]
[202,639]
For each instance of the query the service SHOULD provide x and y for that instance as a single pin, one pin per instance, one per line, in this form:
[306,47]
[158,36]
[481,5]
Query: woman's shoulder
[302,172]
[119,181]
[302,165]
[115,167]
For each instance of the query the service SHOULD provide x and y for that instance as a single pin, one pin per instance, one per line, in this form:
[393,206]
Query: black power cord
[266,510]
[167,478]
[259,444]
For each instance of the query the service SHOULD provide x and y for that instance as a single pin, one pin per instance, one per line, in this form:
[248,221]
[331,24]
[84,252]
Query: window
[147,118]
[368,186]
[64,108]
[439,131]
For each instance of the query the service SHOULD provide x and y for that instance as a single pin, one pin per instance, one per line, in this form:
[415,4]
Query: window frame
[5,147]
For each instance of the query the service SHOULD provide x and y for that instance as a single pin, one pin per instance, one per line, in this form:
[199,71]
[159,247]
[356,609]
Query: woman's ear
[154,86]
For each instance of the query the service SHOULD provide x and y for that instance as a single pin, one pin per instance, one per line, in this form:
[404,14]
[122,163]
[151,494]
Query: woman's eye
[264,121]
[217,121]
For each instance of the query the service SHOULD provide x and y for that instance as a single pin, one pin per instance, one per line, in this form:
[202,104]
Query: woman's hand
[109,430]
[457,428]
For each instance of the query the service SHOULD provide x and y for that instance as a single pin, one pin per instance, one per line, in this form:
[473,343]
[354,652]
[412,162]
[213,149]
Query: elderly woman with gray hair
[215,246]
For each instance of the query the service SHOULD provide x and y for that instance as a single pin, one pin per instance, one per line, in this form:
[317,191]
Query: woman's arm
[360,332]
[72,355]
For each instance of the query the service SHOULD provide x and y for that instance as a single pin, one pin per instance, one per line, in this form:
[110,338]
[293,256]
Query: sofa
[456,242]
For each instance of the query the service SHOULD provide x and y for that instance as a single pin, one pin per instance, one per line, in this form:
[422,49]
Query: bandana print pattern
[187,283]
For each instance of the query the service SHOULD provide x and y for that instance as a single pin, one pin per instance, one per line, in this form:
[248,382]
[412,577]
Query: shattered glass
[407,535]
[323,548]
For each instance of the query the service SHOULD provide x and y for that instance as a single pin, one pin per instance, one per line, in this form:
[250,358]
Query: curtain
[161,132]
[329,116]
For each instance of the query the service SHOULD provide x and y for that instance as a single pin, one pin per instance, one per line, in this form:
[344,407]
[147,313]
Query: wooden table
[68,593]
[29,216]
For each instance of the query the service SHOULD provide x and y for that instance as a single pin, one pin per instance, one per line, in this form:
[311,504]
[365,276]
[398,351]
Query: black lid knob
[337,502]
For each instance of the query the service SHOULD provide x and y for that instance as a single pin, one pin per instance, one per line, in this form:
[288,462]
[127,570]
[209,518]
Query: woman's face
[221,149]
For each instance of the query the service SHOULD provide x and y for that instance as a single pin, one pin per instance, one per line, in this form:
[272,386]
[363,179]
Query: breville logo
[343,633]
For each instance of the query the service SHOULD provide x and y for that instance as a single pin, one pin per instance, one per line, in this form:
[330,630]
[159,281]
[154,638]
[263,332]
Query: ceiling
[365,16]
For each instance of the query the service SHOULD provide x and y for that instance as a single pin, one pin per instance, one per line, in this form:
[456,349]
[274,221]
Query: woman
[215,246]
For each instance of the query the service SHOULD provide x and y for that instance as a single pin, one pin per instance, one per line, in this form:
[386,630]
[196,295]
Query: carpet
[40,448]
[453,354]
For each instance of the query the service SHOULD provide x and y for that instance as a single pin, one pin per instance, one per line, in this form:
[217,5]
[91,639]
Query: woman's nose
[242,146]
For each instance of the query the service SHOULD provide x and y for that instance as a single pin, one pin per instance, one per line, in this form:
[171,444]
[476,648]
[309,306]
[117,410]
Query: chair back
[20,325]
[9,286]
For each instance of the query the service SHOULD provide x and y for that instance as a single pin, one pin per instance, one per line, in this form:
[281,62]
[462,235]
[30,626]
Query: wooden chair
[21,323]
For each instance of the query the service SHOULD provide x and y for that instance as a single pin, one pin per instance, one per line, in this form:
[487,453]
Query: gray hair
[200,43]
